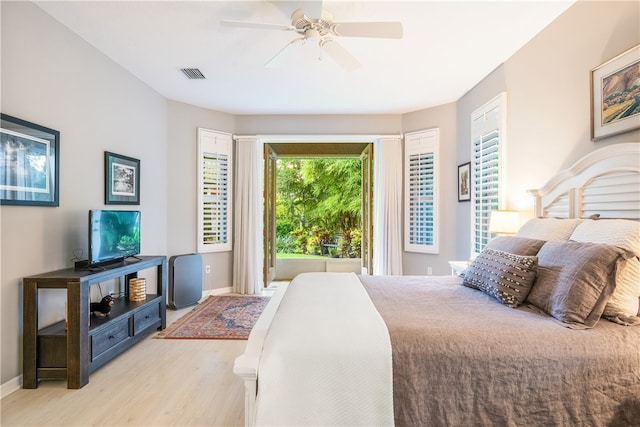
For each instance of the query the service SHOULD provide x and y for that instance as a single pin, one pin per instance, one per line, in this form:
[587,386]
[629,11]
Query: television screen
[113,235]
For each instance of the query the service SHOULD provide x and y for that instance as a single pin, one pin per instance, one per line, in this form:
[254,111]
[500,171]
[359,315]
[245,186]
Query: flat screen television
[113,235]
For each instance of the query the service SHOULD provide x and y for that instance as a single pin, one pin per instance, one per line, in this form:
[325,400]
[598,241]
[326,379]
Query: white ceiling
[447,48]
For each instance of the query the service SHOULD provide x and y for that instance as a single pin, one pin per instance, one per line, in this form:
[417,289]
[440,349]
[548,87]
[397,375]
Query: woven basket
[138,289]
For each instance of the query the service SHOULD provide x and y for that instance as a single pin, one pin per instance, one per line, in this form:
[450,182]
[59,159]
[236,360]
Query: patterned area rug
[222,317]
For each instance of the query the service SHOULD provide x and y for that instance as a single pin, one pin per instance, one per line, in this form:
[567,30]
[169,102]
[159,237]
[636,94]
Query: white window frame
[215,208]
[488,123]
[425,191]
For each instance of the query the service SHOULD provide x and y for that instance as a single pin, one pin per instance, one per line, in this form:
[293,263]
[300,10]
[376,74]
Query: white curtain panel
[387,206]
[247,254]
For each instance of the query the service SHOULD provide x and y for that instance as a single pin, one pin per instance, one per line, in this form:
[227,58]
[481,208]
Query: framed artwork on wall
[615,95]
[29,163]
[122,180]
[464,182]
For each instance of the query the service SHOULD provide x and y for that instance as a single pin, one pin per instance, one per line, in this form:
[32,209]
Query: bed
[543,328]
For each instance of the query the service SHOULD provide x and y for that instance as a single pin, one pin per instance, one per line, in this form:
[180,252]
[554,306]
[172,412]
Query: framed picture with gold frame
[615,95]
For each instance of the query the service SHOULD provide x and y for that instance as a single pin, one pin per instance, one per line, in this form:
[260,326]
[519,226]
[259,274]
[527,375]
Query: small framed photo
[615,95]
[464,182]
[122,180]
[29,163]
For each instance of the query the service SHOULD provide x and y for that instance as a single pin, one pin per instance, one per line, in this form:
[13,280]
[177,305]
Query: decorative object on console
[29,163]
[615,95]
[102,308]
[122,180]
[464,182]
[137,289]
[504,222]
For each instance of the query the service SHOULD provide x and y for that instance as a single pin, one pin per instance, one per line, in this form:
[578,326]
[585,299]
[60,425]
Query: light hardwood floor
[156,383]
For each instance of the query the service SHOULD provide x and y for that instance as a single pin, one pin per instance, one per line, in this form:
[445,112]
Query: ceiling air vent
[192,73]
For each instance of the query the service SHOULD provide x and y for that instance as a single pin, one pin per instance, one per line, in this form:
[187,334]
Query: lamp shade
[504,222]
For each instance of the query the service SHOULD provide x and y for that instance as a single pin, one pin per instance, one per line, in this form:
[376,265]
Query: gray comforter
[460,358]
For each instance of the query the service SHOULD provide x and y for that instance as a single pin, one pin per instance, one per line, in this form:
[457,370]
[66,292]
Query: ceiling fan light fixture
[312,34]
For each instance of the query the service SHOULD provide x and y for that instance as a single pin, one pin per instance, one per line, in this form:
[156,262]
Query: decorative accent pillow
[575,280]
[516,245]
[624,304]
[505,276]
[549,229]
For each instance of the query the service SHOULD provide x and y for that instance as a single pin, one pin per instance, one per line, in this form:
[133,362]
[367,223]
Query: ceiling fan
[319,27]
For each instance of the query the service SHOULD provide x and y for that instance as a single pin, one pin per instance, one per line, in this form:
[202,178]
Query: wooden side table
[88,342]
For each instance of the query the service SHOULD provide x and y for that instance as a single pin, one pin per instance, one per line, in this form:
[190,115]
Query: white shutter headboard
[605,182]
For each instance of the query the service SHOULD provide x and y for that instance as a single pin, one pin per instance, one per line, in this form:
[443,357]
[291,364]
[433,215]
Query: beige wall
[548,97]
[444,118]
[318,125]
[549,108]
[53,78]
[183,121]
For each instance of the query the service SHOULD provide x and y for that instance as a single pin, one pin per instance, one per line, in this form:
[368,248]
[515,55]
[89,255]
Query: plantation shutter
[214,191]
[488,141]
[421,191]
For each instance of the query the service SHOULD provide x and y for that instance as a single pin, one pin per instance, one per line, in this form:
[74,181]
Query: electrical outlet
[429,271]
[207,269]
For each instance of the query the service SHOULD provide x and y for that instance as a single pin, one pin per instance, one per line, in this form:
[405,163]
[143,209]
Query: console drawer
[146,317]
[110,336]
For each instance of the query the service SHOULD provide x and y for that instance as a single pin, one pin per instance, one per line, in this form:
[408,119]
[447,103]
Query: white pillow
[625,301]
[549,229]
[623,233]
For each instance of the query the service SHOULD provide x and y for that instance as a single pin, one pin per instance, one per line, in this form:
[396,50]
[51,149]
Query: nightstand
[458,267]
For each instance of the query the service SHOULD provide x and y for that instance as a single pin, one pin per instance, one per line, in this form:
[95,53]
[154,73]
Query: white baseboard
[10,386]
[218,291]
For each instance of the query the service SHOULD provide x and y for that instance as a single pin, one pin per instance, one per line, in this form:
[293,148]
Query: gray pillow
[575,280]
[505,276]
[516,245]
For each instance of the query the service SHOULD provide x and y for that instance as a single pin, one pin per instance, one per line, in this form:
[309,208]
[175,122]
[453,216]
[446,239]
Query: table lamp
[504,222]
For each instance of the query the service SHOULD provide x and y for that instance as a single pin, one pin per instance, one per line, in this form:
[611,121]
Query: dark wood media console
[89,342]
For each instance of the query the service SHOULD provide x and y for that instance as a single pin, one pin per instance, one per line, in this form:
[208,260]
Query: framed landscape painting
[615,95]
[122,179]
[29,163]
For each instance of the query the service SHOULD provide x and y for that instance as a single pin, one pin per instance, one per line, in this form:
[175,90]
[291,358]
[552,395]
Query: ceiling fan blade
[283,54]
[340,54]
[382,30]
[261,25]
